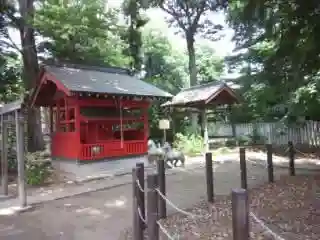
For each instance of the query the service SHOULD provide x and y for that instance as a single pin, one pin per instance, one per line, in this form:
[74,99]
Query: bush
[244,140]
[252,139]
[38,168]
[256,138]
[190,145]
[231,143]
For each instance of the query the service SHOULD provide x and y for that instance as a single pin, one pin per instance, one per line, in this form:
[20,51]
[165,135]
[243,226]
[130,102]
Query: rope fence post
[243,168]
[162,188]
[209,177]
[137,230]
[270,163]
[152,207]
[240,214]
[292,171]
[140,193]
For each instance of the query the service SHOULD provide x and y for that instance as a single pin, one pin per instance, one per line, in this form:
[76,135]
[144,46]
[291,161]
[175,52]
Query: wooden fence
[146,218]
[278,134]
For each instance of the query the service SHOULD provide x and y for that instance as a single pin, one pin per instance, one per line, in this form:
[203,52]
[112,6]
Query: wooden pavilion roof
[211,94]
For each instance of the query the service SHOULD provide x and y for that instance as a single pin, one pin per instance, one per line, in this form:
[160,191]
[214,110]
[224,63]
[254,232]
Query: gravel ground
[290,208]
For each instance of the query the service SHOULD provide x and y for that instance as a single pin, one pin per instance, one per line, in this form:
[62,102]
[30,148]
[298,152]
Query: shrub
[231,143]
[244,140]
[38,168]
[257,138]
[190,145]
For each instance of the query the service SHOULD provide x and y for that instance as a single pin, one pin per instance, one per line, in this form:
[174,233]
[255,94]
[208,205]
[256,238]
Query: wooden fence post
[292,171]
[137,230]
[20,141]
[162,188]
[152,207]
[140,194]
[4,157]
[209,177]
[270,163]
[240,214]
[243,168]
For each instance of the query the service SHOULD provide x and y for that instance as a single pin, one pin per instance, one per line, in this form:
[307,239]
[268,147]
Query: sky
[157,17]
[223,47]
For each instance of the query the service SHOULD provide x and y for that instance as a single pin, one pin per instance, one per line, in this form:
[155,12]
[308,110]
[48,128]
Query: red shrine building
[95,113]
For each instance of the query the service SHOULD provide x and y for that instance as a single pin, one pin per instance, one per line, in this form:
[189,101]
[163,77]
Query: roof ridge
[106,69]
[218,82]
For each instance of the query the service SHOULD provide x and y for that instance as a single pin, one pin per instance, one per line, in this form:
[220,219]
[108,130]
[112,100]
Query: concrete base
[76,172]
[5,197]
[14,210]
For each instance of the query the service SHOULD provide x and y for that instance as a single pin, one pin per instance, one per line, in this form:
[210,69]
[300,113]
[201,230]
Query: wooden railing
[112,149]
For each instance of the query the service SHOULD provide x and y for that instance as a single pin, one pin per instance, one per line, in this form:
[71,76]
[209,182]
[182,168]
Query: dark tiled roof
[117,81]
[196,94]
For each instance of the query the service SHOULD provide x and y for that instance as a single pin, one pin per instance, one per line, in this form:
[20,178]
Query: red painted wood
[65,145]
[90,134]
[112,149]
[78,137]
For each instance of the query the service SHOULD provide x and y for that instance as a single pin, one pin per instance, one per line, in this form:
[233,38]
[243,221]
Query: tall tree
[80,32]
[11,85]
[191,17]
[30,70]
[132,10]
[286,25]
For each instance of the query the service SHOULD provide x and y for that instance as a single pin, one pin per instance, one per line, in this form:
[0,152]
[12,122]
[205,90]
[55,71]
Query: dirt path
[106,214]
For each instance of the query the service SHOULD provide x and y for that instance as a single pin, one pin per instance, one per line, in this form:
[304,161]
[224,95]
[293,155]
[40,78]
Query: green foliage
[80,32]
[164,66]
[11,85]
[190,18]
[166,69]
[281,56]
[210,67]
[132,11]
[251,139]
[231,143]
[37,169]
[190,144]
[244,140]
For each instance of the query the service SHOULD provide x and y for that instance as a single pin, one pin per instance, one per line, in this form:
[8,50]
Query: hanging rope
[121,120]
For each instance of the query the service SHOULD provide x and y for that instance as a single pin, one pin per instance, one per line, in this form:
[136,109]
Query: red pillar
[146,125]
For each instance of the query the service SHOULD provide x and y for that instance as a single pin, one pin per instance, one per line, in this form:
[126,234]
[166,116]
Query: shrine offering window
[110,112]
[64,119]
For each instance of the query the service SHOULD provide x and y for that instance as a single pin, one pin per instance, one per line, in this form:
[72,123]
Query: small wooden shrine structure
[202,98]
[95,113]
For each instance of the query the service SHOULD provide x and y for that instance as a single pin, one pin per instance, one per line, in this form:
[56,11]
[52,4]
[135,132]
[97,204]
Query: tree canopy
[281,54]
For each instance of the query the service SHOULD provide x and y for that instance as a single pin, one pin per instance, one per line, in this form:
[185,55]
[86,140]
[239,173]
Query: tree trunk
[30,73]
[193,76]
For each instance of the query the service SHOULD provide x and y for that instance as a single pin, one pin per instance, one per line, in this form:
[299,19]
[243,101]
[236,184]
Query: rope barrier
[139,186]
[140,216]
[298,151]
[176,208]
[287,150]
[164,230]
[265,227]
